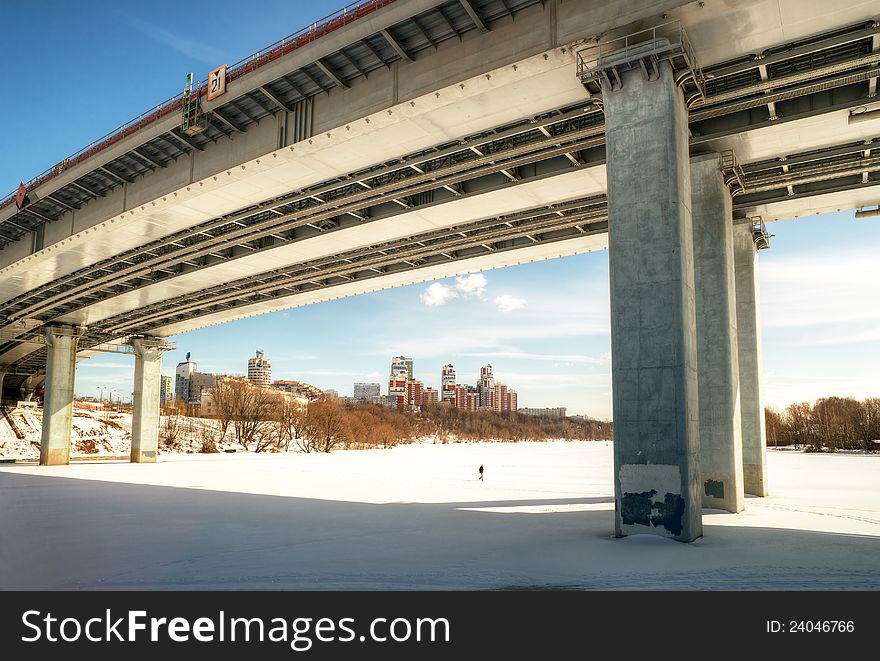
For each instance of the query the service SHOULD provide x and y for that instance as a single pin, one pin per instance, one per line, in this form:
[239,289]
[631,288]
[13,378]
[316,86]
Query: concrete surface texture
[653,324]
[145,416]
[748,325]
[58,399]
[720,426]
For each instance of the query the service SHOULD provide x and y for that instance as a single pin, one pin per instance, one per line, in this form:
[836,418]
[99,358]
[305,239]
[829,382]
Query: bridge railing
[599,64]
[298,39]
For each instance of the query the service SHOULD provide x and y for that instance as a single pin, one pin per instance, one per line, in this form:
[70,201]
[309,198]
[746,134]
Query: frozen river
[417,517]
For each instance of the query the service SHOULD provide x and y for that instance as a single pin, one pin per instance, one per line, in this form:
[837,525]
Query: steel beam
[331,74]
[275,99]
[226,122]
[396,45]
[475,17]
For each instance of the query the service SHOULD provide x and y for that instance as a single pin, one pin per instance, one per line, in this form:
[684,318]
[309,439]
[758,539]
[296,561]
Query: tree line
[837,423]
[447,422]
[260,419]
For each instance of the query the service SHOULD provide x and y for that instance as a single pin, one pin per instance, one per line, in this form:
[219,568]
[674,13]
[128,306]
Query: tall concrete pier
[653,319]
[61,344]
[748,324]
[721,464]
[145,413]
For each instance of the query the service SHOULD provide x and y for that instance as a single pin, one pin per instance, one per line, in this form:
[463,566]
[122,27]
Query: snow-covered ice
[417,517]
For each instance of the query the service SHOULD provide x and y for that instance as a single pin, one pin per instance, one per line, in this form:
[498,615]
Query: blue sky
[87,68]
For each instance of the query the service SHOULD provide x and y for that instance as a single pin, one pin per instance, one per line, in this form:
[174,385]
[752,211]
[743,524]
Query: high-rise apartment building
[447,383]
[402,364]
[401,372]
[414,391]
[260,370]
[486,387]
[504,399]
[188,383]
[429,396]
[166,390]
[182,378]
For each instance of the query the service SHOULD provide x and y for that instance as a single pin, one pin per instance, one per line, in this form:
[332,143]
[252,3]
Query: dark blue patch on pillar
[669,513]
[640,509]
[636,507]
[714,488]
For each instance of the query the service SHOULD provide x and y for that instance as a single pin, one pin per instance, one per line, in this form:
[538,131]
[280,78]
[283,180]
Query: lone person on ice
[481,472]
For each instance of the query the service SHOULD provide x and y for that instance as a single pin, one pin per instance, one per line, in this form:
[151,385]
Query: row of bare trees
[260,419]
[839,423]
[446,421]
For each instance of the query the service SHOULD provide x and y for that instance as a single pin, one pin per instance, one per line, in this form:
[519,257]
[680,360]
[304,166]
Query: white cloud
[471,285]
[437,294]
[373,375]
[508,303]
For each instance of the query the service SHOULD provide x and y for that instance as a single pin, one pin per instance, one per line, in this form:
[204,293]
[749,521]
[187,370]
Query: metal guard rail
[663,38]
[298,39]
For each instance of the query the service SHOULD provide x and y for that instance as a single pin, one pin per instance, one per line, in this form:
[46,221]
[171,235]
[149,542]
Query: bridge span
[405,140]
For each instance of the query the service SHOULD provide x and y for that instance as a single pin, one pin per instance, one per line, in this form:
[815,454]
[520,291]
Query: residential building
[447,383]
[558,412]
[413,398]
[182,376]
[166,390]
[365,392]
[504,398]
[466,398]
[189,383]
[486,387]
[401,372]
[429,396]
[298,388]
[402,364]
[260,369]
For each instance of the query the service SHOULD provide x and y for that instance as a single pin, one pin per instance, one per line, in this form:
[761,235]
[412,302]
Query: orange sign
[216,82]
[20,195]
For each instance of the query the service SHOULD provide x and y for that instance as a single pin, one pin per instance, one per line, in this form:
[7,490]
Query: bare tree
[208,437]
[326,425]
[248,410]
[291,421]
[170,429]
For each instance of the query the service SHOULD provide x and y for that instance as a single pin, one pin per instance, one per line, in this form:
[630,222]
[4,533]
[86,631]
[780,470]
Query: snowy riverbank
[417,517]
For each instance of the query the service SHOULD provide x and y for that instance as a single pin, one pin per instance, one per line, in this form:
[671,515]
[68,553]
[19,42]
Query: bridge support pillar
[61,344]
[721,465]
[653,317]
[748,325]
[145,414]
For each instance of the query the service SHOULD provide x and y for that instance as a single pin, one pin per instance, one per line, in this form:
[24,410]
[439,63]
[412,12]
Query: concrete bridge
[405,140]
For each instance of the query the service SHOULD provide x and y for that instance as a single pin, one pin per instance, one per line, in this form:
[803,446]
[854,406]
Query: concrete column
[58,398]
[653,323]
[2,376]
[721,465]
[145,415]
[748,325]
